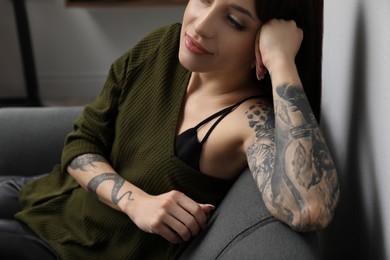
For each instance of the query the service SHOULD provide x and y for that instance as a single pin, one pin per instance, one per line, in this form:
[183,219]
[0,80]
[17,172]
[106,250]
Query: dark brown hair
[308,14]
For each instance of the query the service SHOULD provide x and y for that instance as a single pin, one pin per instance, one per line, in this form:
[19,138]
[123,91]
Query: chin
[190,64]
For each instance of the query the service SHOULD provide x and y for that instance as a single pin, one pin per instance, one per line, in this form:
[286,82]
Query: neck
[220,85]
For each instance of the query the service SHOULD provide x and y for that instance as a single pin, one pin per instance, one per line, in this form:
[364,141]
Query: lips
[195,47]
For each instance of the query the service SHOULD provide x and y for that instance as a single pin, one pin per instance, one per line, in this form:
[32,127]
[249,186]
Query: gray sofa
[31,141]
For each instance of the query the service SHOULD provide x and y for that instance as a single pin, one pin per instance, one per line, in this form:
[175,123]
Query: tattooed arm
[288,157]
[172,215]
[291,165]
[96,175]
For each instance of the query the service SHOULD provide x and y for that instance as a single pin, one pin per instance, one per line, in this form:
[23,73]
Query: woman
[136,147]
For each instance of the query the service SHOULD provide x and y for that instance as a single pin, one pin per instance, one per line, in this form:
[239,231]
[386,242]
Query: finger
[195,210]
[260,68]
[258,56]
[178,227]
[169,234]
[257,42]
[207,208]
[187,219]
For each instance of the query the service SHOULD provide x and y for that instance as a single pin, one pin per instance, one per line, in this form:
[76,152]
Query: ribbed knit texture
[133,124]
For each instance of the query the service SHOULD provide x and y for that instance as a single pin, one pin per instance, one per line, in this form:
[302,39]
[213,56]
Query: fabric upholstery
[242,228]
[31,139]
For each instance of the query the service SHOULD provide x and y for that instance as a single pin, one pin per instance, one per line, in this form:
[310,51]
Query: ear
[254,64]
[261,72]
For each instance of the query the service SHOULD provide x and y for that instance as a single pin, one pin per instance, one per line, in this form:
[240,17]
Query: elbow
[313,217]
[317,214]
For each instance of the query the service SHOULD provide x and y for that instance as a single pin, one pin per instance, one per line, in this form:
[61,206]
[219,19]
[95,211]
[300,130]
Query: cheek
[189,13]
[241,51]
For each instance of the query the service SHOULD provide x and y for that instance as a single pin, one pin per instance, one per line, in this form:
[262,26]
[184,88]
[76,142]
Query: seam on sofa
[244,234]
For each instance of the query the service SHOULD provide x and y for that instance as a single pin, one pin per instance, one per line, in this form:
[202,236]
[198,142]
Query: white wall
[73,47]
[357,121]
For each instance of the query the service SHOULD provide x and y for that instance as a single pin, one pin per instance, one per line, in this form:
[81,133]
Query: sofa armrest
[31,139]
[242,228]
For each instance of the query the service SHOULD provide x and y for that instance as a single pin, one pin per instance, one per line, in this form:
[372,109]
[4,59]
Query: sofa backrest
[32,138]
[241,227]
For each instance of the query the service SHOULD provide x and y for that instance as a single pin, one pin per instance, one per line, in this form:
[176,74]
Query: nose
[206,22]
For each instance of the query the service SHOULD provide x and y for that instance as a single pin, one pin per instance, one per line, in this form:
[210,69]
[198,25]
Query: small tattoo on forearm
[80,162]
[118,184]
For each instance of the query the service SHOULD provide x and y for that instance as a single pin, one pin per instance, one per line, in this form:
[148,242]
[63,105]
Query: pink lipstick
[195,47]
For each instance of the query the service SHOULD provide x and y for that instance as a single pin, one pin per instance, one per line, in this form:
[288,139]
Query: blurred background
[73,48]
[356,120]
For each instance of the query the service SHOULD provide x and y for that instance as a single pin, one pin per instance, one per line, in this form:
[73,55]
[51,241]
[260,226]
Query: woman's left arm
[300,186]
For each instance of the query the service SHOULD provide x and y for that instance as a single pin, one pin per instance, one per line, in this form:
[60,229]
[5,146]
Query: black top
[188,148]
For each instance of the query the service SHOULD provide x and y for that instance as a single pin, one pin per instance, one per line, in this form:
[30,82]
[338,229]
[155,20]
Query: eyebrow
[242,10]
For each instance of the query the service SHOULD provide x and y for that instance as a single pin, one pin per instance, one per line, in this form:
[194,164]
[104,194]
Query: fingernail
[259,71]
[211,206]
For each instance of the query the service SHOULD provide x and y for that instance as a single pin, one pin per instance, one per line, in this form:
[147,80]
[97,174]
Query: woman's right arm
[172,215]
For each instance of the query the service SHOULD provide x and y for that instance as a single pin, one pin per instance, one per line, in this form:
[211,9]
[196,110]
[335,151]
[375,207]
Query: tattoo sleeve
[261,154]
[118,184]
[290,161]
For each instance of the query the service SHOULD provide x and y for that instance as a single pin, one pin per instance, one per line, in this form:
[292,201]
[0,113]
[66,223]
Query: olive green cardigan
[133,124]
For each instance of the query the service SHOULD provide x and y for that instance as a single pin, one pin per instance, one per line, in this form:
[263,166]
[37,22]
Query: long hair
[308,14]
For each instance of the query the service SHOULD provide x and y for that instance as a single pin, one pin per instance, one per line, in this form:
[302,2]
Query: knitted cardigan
[133,124]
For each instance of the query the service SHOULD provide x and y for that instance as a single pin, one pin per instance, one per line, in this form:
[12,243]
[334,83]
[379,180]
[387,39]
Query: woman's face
[219,35]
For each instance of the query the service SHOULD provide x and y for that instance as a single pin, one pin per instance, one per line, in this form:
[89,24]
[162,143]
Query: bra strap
[223,113]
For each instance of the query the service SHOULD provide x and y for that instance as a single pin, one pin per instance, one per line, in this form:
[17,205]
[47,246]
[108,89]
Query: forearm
[304,184]
[98,177]
[172,215]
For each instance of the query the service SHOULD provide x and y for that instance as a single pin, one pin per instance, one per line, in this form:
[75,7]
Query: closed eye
[236,24]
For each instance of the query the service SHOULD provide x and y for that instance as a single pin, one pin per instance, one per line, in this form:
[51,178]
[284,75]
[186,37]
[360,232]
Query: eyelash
[235,24]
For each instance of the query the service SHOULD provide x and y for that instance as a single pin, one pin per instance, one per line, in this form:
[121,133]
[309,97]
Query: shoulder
[258,120]
[256,111]
[259,112]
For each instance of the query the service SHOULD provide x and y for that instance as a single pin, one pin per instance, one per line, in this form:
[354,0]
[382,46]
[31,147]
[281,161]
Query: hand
[171,215]
[276,41]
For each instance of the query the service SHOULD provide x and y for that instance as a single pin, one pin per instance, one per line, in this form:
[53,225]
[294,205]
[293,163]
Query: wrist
[283,71]
[129,206]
